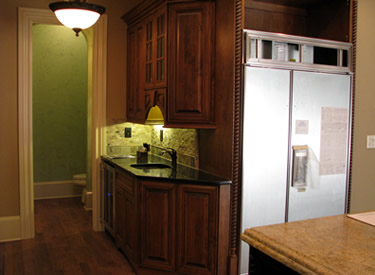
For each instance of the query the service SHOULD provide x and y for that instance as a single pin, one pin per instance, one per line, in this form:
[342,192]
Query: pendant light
[77,15]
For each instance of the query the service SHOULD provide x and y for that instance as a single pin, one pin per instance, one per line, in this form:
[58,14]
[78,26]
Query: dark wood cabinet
[171,227]
[155,50]
[126,232]
[135,68]
[108,187]
[157,225]
[190,54]
[318,18]
[171,49]
[196,229]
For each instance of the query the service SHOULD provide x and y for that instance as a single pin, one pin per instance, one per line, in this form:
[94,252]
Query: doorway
[27,17]
[60,99]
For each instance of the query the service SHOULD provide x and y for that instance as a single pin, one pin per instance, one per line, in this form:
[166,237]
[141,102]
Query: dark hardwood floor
[64,243]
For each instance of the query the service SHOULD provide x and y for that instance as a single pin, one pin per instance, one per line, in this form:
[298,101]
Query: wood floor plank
[64,244]
[13,261]
[2,258]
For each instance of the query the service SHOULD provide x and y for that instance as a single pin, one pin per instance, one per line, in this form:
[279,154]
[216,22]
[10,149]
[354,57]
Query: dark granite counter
[182,173]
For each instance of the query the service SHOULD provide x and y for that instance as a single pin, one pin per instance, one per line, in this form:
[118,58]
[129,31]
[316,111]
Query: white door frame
[26,18]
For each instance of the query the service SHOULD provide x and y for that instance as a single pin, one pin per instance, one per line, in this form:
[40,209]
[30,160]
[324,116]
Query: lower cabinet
[126,233]
[171,227]
[107,187]
[157,223]
[196,229]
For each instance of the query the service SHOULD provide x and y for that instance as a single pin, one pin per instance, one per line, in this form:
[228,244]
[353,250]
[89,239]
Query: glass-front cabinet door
[155,50]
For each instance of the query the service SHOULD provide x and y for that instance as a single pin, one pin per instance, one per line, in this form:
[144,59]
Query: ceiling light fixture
[77,15]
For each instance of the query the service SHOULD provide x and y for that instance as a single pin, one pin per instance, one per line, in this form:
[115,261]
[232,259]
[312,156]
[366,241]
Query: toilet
[80,180]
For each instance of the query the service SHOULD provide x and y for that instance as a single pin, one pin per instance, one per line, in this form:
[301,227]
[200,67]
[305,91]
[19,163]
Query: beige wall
[9,185]
[363,173]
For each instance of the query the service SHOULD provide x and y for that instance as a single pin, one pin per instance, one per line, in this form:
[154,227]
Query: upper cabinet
[311,18]
[171,62]
[155,49]
[190,48]
[135,83]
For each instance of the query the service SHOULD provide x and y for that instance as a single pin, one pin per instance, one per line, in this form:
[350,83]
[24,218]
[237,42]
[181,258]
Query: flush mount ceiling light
[77,15]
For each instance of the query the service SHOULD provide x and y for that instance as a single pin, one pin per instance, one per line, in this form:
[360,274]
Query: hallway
[64,243]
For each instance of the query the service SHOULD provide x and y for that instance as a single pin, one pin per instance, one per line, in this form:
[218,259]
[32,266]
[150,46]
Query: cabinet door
[120,220]
[157,219]
[160,48]
[108,194]
[196,229]
[132,76]
[190,69]
[125,214]
[135,99]
[155,50]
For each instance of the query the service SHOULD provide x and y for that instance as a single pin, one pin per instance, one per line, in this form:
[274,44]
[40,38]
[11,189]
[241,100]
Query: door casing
[26,18]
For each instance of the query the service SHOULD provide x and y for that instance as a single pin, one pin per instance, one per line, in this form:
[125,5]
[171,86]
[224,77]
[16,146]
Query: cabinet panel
[160,48]
[155,50]
[157,225]
[149,52]
[107,187]
[132,88]
[120,206]
[125,215]
[190,51]
[196,229]
[126,181]
[135,99]
[320,19]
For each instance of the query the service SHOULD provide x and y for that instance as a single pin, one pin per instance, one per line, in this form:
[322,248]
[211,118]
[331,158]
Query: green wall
[59,103]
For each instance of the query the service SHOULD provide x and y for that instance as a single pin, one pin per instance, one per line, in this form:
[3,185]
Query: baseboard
[10,229]
[56,189]
[88,201]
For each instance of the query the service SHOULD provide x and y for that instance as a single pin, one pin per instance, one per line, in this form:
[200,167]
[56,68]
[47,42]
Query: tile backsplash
[184,141]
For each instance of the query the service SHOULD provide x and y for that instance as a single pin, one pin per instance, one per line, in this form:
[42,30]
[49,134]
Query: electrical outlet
[128,132]
[370,142]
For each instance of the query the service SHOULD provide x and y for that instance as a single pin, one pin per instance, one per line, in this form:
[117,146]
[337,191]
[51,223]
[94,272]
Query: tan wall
[9,183]
[363,173]
[116,81]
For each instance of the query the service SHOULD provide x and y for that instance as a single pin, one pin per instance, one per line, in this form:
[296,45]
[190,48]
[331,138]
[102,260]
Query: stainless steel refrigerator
[296,130]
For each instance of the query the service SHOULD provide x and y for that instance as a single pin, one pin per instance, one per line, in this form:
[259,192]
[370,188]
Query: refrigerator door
[320,139]
[265,149]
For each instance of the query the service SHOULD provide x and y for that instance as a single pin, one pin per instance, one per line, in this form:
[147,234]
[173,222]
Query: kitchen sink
[150,165]
[121,157]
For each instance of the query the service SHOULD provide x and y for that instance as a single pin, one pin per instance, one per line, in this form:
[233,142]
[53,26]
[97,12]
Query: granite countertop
[330,245]
[181,174]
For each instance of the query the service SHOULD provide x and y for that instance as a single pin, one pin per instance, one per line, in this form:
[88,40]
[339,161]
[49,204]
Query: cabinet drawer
[125,181]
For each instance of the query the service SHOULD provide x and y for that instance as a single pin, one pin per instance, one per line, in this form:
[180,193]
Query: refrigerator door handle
[299,167]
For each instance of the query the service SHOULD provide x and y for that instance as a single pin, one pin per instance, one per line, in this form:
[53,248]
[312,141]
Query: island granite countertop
[329,245]
[181,174]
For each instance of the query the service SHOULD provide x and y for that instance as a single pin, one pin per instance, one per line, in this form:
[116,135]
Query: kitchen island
[329,245]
